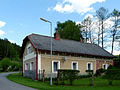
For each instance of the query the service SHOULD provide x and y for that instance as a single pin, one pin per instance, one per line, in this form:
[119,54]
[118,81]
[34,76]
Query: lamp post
[50,48]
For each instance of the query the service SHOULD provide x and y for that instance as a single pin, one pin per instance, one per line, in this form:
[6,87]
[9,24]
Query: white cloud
[79,6]
[11,41]
[2,24]
[88,15]
[115,52]
[1,32]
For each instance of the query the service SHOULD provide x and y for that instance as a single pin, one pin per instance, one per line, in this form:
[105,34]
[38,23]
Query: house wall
[100,63]
[44,62]
[28,58]
[67,64]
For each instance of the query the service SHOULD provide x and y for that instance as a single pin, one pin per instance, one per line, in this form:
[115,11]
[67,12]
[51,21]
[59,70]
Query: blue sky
[19,18]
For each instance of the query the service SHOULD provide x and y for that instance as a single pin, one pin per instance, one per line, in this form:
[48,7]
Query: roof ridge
[61,39]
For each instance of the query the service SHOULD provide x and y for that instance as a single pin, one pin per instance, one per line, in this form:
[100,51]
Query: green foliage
[84,76]
[90,72]
[117,57]
[66,74]
[99,72]
[8,49]
[82,84]
[8,65]
[111,74]
[5,64]
[69,30]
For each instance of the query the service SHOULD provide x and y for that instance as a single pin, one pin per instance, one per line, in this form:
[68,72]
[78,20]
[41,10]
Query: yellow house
[67,54]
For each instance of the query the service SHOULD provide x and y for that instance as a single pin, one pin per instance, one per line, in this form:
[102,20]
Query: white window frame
[91,68]
[53,66]
[31,67]
[26,66]
[76,66]
[106,66]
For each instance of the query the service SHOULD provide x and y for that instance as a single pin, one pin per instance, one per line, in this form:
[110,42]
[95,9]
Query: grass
[82,84]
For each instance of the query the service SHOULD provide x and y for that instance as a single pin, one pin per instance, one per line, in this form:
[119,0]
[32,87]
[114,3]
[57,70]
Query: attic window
[28,50]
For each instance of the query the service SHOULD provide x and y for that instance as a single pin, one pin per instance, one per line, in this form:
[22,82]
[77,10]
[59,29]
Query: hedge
[67,74]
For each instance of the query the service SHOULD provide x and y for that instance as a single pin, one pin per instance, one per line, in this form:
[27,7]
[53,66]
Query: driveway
[5,84]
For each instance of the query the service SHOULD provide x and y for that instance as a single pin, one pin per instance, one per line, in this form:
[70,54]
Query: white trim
[106,66]
[53,66]
[29,45]
[26,66]
[76,64]
[31,67]
[91,65]
[39,62]
[29,56]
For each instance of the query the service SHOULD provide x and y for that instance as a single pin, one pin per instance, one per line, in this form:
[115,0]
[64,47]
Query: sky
[19,18]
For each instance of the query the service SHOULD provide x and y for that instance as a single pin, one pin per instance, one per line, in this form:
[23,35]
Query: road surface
[5,84]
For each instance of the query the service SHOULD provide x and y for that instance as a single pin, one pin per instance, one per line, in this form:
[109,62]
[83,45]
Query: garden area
[109,81]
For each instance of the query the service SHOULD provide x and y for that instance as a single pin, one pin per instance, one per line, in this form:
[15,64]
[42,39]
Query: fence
[41,75]
[30,74]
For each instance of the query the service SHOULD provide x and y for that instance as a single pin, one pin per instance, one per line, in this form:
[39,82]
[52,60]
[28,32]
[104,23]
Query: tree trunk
[110,82]
[113,43]
[98,39]
[102,34]
[99,34]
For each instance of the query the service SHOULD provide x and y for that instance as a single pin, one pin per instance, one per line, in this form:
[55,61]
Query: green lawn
[82,84]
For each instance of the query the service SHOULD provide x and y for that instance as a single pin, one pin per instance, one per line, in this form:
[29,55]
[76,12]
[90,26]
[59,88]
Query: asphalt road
[5,84]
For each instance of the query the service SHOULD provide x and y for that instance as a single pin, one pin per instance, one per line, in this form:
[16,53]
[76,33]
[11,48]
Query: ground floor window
[105,66]
[75,65]
[89,66]
[31,65]
[26,66]
[55,65]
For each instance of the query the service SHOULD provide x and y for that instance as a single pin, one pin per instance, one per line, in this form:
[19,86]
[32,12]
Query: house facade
[67,54]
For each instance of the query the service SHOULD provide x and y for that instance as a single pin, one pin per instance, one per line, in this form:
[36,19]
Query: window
[105,66]
[26,66]
[89,66]
[75,65]
[56,65]
[28,50]
[31,65]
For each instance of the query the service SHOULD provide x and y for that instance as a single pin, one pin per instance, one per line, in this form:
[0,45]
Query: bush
[112,74]
[99,72]
[67,74]
[84,76]
[5,62]
[7,65]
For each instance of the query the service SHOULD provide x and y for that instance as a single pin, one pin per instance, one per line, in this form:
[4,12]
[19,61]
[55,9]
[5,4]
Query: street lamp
[50,48]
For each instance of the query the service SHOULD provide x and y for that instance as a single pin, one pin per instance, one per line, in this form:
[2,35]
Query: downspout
[96,65]
[36,64]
